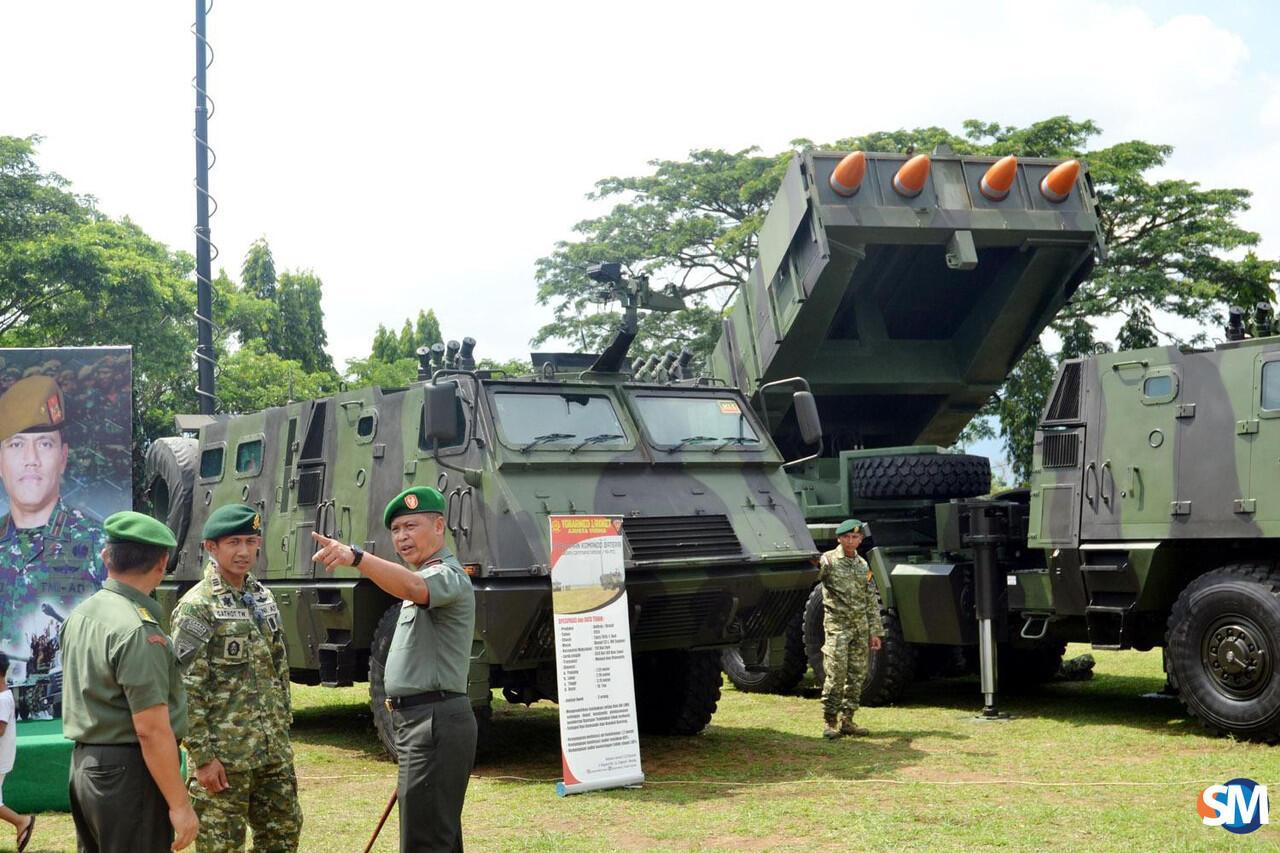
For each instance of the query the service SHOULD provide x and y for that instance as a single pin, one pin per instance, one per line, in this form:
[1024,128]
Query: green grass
[1080,766]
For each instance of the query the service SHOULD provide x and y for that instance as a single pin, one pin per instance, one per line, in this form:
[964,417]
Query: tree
[1174,248]
[393,360]
[691,222]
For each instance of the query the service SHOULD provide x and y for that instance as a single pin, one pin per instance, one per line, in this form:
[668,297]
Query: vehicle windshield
[558,421]
[705,423]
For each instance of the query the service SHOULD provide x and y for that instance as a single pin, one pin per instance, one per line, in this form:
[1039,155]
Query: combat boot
[831,732]
[847,727]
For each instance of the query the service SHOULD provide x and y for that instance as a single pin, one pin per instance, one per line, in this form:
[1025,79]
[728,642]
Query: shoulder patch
[197,629]
[184,648]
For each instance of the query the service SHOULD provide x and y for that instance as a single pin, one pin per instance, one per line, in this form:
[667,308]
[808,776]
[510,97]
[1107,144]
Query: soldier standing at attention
[123,702]
[229,641]
[427,666]
[49,551]
[850,614]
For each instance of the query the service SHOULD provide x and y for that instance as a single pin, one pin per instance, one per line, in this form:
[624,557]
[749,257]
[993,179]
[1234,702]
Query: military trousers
[264,798]
[115,804]
[436,747]
[845,656]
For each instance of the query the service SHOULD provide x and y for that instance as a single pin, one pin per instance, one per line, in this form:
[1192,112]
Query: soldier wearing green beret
[49,551]
[229,640]
[852,628]
[123,702]
[427,665]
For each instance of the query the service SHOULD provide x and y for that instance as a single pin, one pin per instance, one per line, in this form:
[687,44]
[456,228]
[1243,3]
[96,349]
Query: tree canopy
[1175,249]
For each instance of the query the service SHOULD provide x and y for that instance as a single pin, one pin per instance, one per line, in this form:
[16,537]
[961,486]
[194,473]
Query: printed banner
[599,742]
[66,457]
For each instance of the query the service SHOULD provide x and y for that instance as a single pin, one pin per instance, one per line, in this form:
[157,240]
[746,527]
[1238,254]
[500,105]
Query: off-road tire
[676,691]
[782,679]
[889,671]
[378,650]
[923,475]
[169,478]
[1233,609]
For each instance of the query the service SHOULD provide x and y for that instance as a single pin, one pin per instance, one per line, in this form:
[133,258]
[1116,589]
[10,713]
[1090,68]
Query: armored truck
[716,549]
[904,289]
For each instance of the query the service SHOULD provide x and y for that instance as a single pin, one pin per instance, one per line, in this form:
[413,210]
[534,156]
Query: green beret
[232,520]
[135,527]
[849,525]
[417,499]
[33,404]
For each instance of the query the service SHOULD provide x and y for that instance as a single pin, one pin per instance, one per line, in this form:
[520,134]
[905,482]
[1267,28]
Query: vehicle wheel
[676,691]
[814,635]
[377,686]
[784,678]
[892,668]
[169,477]
[924,475]
[1222,641]
[1022,667]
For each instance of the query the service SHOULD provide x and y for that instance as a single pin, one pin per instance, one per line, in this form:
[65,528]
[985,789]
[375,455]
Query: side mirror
[439,413]
[807,417]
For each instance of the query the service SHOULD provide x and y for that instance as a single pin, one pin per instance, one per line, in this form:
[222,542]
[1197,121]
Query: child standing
[22,823]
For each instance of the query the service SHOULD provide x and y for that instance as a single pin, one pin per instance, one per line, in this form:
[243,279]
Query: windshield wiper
[595,439]
[734,439]
[692,439]
[543,439]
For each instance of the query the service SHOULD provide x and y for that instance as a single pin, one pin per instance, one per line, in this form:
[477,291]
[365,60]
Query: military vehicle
[904,289]
[716,548]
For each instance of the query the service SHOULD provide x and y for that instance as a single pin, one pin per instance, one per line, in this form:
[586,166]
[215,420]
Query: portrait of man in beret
[51,511]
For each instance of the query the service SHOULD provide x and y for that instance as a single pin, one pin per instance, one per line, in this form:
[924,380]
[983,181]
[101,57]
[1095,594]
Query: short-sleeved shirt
[431,649]
[116,662]
[8,740]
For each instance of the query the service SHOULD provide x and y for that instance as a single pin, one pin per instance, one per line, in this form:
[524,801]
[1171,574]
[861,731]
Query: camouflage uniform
[59,564]
[230,644]
[850,617]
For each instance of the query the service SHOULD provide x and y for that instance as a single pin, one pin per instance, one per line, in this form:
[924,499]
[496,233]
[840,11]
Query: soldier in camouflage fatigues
[229,639]
[852,627]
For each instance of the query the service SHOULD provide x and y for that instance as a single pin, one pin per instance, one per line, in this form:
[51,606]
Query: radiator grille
[1065,405]
[680,537]
[673,616]
[1061,450]
[775,611]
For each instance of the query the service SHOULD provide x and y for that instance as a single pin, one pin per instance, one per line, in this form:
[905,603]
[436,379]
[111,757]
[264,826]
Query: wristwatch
[357,554]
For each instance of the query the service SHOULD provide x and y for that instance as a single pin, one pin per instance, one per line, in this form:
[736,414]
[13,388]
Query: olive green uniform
[116,662]
[435,728]
[850,618]
[230,644]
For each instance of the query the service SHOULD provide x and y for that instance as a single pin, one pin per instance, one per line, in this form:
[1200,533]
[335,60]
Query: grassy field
[1083,766]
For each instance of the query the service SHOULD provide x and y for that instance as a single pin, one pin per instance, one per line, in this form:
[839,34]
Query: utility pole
[204,289]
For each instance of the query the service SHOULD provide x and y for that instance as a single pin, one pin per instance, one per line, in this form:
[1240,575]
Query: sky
[418,155]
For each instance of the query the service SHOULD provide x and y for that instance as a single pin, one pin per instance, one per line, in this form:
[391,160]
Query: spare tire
[922,475]
[170,475]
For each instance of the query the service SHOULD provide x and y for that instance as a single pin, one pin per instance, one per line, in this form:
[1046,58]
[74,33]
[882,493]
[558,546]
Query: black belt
[396,702]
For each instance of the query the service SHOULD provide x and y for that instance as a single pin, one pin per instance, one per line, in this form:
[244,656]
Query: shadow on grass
[1109,700]
[524,749]
[343,725]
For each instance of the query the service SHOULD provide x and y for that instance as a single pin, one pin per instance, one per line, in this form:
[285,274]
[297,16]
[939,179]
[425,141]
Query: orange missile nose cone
[1057,185]
[848,174]
[911,177]
[999,178]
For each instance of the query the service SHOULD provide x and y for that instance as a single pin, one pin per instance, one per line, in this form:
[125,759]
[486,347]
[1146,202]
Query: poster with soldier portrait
[66,432]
